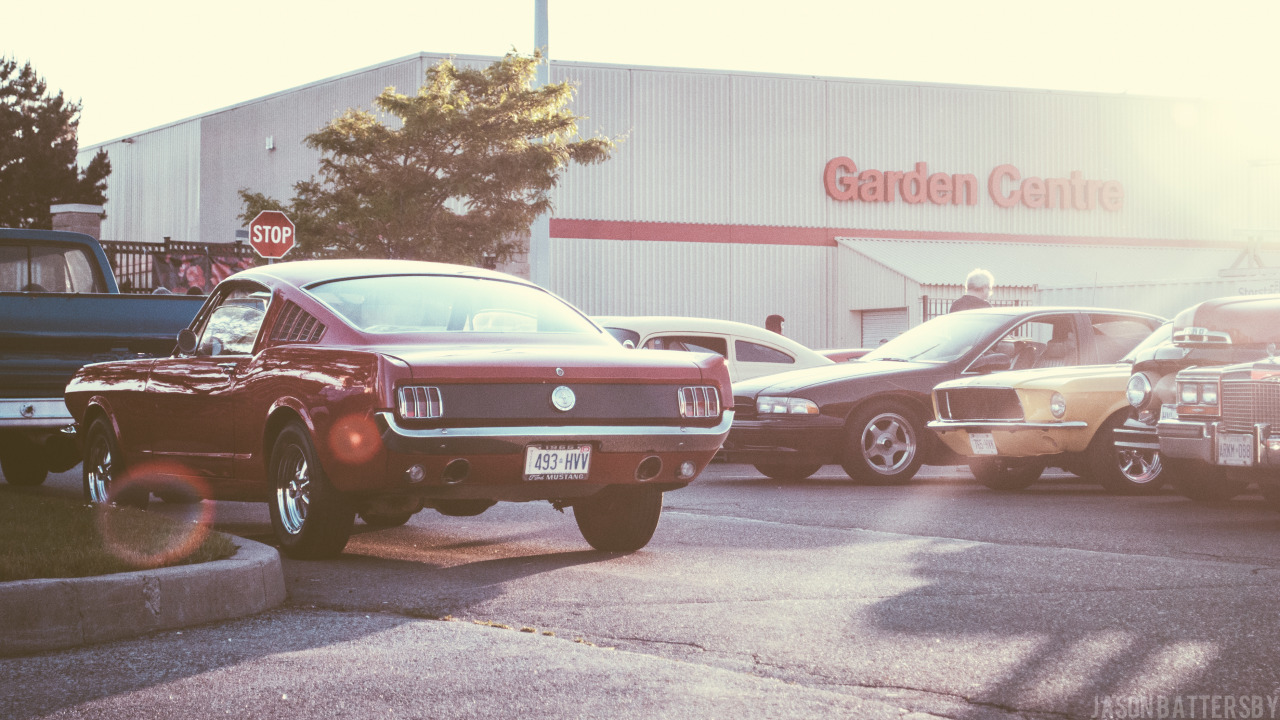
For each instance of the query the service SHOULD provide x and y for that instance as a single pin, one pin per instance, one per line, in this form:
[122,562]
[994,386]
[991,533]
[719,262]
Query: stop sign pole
[272,234]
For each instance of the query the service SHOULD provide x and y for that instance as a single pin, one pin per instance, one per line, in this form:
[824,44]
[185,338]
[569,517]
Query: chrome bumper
[506,440]
[1199,441]
[1005,425]
[34,413]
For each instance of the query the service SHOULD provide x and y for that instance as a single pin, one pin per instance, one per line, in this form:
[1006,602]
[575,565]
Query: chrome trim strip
[1002,425]
[609,438]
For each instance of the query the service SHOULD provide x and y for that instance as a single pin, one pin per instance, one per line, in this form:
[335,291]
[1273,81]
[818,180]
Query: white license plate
[1235,449]
[557,462]
[1168,412]
[982,443]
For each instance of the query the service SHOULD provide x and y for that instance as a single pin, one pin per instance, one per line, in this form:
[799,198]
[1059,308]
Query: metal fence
[178,267]
[932,307]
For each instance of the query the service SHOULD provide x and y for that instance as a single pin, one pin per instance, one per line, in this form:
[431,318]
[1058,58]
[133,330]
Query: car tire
[1006,474]
[884,444]
[310,518]
[1202,483]
[619,518]
[103,467]
[21,463]
[1123,471]
[373,518]
[788,473]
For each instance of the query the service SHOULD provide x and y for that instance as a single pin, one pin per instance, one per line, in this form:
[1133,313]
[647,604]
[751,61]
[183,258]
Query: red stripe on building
[781,235]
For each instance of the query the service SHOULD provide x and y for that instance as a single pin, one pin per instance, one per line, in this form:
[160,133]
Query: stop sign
[271,234]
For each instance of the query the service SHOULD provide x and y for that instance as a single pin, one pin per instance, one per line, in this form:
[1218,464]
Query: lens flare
[121,532]
[354,439]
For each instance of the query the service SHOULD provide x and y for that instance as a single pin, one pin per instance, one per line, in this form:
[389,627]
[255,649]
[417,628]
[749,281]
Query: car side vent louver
[296,326]
[420,402]
[699,402]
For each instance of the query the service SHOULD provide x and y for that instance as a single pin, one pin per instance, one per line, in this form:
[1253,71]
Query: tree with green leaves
[470,166]
[38,146]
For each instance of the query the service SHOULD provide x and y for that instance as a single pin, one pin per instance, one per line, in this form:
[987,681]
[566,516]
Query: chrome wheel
[293,489]
[99,469]
[1138,466]
[889,443]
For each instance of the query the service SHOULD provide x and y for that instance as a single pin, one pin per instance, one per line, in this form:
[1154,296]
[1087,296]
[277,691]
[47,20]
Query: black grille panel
[744,408]
[1246,402]
[979,404]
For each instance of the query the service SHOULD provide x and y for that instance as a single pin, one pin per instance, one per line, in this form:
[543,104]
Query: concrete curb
[52,614]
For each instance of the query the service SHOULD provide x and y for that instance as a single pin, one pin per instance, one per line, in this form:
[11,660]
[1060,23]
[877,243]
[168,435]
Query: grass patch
[51,537]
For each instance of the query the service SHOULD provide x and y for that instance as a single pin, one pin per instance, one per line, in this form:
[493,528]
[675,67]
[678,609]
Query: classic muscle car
[341,387]
[1012,425]
[1213,333]
[870,415]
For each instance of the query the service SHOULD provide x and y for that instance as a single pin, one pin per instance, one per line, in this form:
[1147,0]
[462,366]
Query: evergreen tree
[38,147]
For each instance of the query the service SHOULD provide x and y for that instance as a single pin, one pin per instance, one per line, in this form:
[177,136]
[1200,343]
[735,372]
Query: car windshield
[446,303]
[1163,334]
[941,339]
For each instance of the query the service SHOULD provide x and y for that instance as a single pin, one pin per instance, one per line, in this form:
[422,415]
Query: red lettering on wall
[836,178]
[995,186]
[1005,185]
[913,184]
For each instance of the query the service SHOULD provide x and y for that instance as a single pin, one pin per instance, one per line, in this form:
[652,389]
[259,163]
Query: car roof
[645,324]
[302,273]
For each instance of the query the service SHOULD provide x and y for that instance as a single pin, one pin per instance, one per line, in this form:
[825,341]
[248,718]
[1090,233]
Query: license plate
[1168,412]
[1234,449]
[982,443]
[557,462]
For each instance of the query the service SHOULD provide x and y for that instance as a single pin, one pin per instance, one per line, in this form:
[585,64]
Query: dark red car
[333,388]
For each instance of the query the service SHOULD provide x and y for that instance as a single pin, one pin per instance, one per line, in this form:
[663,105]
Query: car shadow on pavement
[1073,633]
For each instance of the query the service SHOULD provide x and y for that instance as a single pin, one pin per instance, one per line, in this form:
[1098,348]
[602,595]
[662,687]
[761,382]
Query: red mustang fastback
[332,388]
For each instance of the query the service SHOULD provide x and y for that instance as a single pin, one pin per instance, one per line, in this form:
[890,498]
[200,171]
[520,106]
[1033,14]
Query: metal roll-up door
[879,325]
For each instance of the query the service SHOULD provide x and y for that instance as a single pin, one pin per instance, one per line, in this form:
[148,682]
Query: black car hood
[789,383]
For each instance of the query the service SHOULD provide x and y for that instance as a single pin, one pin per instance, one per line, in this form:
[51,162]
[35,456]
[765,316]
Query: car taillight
[699,402]
[420,402]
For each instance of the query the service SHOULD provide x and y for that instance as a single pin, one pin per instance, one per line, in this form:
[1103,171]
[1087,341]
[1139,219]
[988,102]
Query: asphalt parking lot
[820,598]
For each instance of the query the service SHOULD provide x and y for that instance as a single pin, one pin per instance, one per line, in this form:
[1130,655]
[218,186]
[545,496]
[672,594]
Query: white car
[750,351]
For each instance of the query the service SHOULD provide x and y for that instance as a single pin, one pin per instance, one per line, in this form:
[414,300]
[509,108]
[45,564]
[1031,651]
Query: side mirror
[187,341]
[995,362]
[628,345]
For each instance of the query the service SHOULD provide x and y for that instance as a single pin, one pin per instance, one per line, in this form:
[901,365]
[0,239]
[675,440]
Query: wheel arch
[921,406]
[281,414]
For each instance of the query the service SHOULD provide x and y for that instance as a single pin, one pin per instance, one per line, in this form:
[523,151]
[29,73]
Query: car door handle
[229,368]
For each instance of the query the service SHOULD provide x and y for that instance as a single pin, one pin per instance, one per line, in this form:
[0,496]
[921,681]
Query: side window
[689,343]
[754,352]
[1115,335]
[1046,341]
[233,325]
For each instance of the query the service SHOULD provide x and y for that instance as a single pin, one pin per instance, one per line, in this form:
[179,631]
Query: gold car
[1011,425]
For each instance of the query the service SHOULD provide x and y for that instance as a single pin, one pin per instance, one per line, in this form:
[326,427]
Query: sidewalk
[40,615]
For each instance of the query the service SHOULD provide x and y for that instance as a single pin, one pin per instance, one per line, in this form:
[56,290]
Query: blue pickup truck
[60,309]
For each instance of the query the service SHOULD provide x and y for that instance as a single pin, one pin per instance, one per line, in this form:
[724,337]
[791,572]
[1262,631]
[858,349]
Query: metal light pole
[540,229]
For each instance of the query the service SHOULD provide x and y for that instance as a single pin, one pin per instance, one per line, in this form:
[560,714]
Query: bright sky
[138,64]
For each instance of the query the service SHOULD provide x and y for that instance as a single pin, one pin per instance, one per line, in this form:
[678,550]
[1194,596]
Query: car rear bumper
[488,463]
[34,413]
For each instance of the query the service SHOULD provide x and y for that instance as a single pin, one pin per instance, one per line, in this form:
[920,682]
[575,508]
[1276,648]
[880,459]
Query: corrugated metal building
[838,203]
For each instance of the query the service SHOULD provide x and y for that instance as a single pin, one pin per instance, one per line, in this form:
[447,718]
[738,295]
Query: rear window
[445,303]
[48,268]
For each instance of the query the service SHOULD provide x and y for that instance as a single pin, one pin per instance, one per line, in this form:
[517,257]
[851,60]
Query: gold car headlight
[1057,405]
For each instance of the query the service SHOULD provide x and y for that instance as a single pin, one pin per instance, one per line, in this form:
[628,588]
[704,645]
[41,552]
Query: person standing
[977,291]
